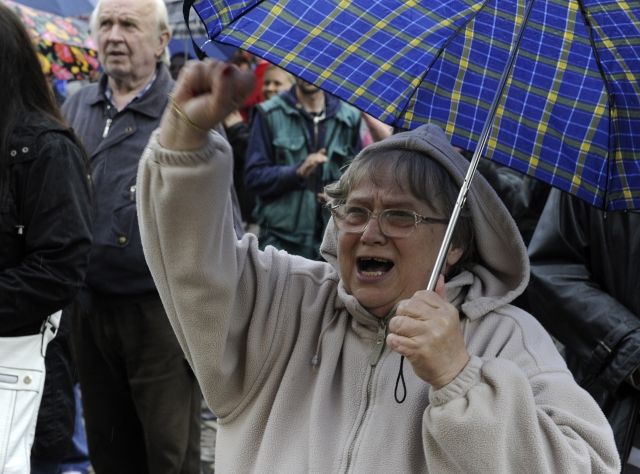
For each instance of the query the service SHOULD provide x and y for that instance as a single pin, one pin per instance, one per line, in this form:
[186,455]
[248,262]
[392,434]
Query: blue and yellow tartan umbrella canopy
[570,113]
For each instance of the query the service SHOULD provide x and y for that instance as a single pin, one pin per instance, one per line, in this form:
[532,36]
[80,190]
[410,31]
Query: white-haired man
[141,401]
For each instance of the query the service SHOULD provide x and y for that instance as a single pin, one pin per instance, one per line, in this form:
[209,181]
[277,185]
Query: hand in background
[311,163]
[378,129]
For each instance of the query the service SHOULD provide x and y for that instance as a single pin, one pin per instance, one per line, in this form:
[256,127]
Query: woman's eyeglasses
[394,223]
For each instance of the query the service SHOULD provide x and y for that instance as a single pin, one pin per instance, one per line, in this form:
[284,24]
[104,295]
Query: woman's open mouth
[372,267]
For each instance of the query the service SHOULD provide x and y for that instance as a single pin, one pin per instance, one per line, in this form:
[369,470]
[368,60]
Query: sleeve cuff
[216,145]
[459,386]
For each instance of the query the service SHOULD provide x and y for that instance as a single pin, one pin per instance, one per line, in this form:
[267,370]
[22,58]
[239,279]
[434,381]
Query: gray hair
[425,179]
[162,23]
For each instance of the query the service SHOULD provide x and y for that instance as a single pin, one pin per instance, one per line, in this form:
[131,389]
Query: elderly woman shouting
[299,358]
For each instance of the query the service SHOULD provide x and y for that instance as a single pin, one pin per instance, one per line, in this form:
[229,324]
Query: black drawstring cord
[400,380]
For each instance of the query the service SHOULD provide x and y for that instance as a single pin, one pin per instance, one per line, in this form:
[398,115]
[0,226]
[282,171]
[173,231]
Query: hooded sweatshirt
[297,370]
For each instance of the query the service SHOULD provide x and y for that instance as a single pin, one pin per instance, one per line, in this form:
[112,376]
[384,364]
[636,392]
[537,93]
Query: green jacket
[290,216]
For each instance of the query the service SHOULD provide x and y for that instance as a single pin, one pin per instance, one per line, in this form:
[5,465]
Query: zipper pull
[107,126]
[19,229]
[378,347]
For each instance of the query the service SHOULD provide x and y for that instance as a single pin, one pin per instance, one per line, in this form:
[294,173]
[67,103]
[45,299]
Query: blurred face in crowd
[275,81]
[130,40]
[306,88]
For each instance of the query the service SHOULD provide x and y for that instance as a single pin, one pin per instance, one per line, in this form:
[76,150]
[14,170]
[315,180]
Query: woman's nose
[372,232]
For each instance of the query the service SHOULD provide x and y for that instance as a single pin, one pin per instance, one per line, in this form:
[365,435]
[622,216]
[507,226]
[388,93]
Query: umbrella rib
[612,123]
[235,19]
[210,36]
[437,56]
[473,165]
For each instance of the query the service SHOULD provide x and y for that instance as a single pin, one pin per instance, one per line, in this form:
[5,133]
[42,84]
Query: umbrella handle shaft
[448,235]
[475,159]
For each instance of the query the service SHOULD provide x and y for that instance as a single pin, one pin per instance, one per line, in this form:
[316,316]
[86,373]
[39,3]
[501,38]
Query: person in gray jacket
[291,353]
[141,400]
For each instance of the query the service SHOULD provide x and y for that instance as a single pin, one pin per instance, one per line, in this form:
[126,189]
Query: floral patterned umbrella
[64,46]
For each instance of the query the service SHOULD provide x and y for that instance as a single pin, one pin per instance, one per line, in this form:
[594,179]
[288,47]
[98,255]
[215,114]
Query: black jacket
[45,225]
[238,136]
[585,289]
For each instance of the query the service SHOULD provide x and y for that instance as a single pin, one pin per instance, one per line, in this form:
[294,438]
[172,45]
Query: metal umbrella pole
[477,154]
[400,391]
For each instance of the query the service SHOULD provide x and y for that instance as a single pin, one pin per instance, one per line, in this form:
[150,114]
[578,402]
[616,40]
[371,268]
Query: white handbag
[21,383]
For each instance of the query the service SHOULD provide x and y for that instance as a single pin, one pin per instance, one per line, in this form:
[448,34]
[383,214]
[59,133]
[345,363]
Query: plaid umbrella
[182,36]
[64,46]
[570,110]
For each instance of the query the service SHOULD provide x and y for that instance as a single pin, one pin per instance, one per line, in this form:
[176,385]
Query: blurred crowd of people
[71,239]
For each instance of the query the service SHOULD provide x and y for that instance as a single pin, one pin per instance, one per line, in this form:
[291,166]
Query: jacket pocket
[291,216]
[124,219]
[289,149]
[340,156]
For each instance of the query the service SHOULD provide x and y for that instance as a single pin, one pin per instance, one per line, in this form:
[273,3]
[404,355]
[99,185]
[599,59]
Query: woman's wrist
[178,132]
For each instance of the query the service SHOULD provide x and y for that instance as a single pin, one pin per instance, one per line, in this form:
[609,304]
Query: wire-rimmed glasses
[394,223]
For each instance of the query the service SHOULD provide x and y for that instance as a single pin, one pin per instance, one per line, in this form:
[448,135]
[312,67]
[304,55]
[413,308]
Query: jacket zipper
[107,125]
[374,358]
[381,335]
[316,121]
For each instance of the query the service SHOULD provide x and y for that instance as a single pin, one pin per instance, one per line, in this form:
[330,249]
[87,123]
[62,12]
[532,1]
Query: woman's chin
[375,306]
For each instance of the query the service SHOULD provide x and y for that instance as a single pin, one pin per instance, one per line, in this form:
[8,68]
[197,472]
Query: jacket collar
[30,125]
[148,104]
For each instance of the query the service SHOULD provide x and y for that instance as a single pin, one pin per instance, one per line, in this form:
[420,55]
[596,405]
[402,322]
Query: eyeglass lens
[392,222]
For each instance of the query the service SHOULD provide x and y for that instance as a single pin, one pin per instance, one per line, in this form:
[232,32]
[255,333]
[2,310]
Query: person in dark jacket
[585,289]
[140,398]
[299,142]
[45,227]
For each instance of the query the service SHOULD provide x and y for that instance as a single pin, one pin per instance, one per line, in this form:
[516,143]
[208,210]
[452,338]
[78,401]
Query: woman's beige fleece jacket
[297,371]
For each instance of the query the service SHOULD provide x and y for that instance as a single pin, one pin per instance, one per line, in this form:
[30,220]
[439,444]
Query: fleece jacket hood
[502,272]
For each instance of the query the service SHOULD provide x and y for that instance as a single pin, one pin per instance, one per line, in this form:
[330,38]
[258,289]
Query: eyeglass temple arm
[475,159]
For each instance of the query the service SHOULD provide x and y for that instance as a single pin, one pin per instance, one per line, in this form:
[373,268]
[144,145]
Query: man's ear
[164,37]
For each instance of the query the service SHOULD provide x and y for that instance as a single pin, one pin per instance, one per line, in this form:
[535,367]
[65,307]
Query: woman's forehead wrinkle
[387,196]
